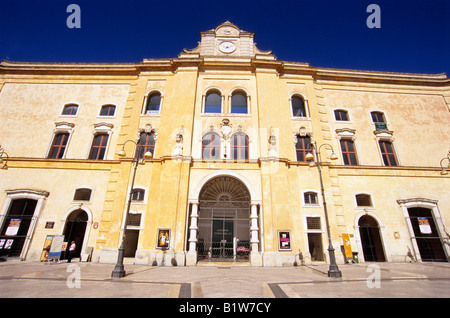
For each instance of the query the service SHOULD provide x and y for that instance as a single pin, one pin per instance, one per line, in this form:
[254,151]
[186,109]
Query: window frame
[146,145]
[91,195]
[211,91]
[309,193]
[108,115]
[239,146]
[346,154]
[70,114]
[304,151]
[378,112]
[340,111]
[386,154]
[305,106]
[211,147]
[367,195]
[60,128]
[99,147]
[147,99]
[60,147]
[235,92]
[142,192]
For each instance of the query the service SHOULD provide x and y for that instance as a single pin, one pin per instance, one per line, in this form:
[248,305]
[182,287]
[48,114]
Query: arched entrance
[224,220]
[371,239]
[75,230]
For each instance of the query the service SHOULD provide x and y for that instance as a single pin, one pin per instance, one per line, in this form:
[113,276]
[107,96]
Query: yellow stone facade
[279,194]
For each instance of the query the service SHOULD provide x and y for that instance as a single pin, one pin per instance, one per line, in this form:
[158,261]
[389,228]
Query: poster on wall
[424,226]
[163,239]
[13,227]
[284,240]
[8,244]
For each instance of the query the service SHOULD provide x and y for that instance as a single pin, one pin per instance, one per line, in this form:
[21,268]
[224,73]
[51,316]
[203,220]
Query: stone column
[191,258]
[255,256]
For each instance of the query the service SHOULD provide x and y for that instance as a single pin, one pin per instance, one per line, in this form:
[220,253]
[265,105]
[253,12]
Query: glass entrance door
[222,238]
[427,237]
[15,227]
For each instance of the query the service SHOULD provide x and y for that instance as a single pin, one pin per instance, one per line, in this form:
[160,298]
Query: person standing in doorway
[71,251]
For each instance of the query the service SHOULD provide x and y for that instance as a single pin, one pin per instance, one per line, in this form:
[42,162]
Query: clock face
[227,47]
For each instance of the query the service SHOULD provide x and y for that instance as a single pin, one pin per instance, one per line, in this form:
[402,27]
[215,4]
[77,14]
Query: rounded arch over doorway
[255,196]
[224,220]
[76,229]
[370,239]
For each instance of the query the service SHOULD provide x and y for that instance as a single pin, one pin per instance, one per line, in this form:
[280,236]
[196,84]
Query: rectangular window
[348,152]
[363,200]
[59,146]
[341,115]
[313,223]
[302,147]
[387,151]
[310,198]
[98,149]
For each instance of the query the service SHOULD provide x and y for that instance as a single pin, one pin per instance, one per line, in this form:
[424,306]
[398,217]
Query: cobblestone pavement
[222,281]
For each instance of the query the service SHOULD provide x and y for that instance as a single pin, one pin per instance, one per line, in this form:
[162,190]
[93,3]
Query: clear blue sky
[414,36]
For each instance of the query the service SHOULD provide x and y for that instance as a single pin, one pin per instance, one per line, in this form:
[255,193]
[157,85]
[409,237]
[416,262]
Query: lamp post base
[333,271]
[118,272]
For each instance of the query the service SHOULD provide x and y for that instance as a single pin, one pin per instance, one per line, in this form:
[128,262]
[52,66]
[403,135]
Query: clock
[227,47]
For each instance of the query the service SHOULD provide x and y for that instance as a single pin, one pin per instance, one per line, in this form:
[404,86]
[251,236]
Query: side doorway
[371,242]
[426,235]
[75,230]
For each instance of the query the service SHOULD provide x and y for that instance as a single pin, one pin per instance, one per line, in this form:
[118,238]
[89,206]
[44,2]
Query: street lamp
[444,170]
[119,270]
[333,270]
[3,162]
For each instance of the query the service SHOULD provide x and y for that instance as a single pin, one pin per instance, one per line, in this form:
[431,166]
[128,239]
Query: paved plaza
[223,280]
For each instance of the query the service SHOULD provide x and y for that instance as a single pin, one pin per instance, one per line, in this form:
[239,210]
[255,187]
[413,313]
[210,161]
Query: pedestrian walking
[71,251]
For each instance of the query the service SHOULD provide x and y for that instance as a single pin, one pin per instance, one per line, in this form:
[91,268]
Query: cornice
[283,68]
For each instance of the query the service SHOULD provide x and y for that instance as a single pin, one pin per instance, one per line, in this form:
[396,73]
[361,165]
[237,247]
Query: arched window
[211,146]
[153,103]
[378,117]
[310,198]
[213,102]
[298,106]
[302,147]
[137,195]
[108,110]
[70,110]
[146,143]
[239,147]
[341,115]
[239,103]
